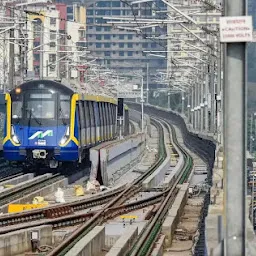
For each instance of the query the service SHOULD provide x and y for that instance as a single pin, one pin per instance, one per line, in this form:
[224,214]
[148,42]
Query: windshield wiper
[34,117]
[62,117]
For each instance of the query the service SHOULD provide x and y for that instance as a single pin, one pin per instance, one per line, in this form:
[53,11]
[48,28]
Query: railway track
[19,192]
[67,209]
[110,208]
[114,209]
[150,234]
[66,214]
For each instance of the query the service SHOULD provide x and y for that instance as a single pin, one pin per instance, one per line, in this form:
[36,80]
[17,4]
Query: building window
[98,28]
[115,3]
[36,56]
[52,67]
[144,45]
[107,54]
[130,37]
[98,45]
[36,44]
[53,35]
[121,45]
[107,28]
[89,12]
[52,44]
[53,21]
[107,37]
[115,12]
[129,45]
[121,53]
[121,36]
[129,53]
[52,58]
[89,21]
[107,45]
[98,37]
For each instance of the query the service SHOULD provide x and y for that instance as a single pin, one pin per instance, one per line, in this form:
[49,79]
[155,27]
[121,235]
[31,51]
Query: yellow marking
[8,120]
[128,217]
[23,207]
[72,137]
[174,154]
[9,186]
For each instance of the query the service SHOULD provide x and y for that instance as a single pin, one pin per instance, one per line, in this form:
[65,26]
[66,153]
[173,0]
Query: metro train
[49,124]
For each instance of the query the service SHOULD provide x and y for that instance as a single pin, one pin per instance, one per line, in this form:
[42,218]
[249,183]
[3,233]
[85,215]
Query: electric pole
[11,55]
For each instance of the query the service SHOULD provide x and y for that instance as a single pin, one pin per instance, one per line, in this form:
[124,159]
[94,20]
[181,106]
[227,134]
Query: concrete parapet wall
[110,240]
[159,247]
[172,218]
[18,180]
[40,192]
[124,243]
[115,159]
[90,245]
[19,242]
[24,184]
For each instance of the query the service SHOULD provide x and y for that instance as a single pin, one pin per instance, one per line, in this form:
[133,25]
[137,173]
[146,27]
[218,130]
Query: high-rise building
[119,49]
[123,50]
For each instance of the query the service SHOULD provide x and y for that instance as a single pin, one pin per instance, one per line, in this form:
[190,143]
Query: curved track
[203,147]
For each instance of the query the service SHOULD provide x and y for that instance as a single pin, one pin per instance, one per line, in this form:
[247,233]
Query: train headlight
[65,138]
[14,136]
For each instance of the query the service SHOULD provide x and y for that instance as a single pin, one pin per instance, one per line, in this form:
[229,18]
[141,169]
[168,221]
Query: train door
[81,123]
[104,121]
[101,122]
[92,120]
[110,120]
[87,121]
[97,121]
[107,120]
[115,119]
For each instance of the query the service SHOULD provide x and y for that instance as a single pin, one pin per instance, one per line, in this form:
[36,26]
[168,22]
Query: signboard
[236,29]
[129,94]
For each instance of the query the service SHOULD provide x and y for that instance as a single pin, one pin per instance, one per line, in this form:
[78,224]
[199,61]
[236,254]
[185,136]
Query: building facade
[123,50]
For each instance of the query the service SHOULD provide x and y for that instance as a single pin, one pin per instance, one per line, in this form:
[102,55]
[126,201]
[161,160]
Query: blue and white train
[49,124]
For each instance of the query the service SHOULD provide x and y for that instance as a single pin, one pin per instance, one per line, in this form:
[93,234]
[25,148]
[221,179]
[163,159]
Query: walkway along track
[149,235]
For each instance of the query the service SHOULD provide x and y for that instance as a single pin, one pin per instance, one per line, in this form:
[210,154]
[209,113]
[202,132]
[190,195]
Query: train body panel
[48,123]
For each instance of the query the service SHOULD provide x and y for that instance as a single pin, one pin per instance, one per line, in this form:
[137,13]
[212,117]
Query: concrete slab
[91,244]
[19,242]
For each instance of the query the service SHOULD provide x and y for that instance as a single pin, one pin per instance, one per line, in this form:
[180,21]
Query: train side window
[112,114]
[96,113]
[87,116]
[81,114]
[107,113]
[91,114]
[104,113]
[101,120]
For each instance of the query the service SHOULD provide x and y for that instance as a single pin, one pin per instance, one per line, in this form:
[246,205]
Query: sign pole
[235,30]
[142,105]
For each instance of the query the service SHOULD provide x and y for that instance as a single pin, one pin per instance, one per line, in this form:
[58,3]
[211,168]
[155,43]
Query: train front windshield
[40,108]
